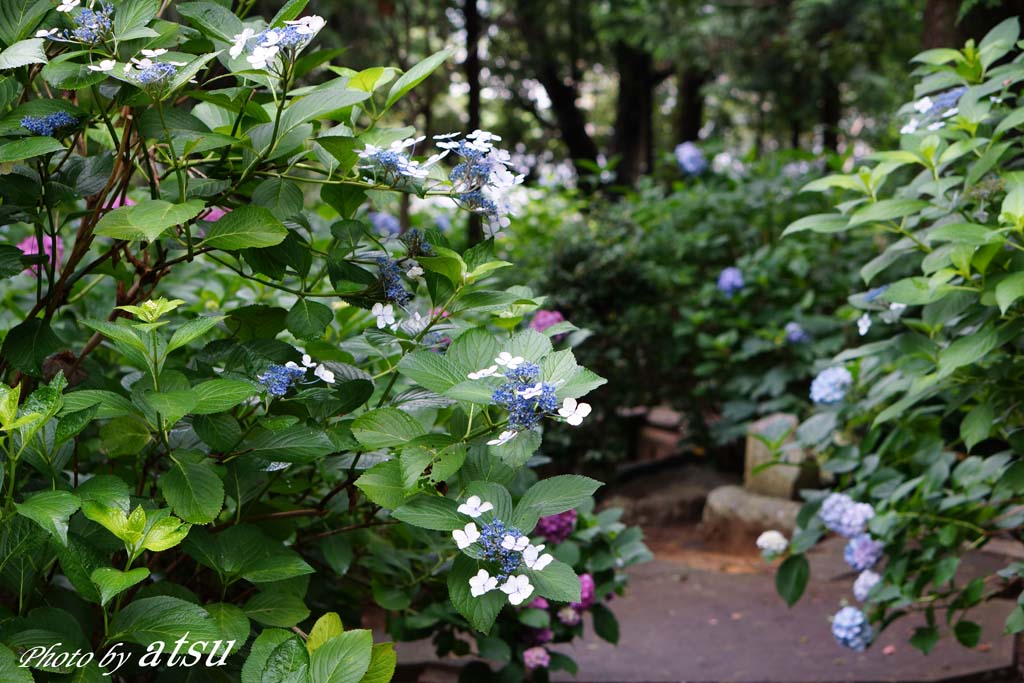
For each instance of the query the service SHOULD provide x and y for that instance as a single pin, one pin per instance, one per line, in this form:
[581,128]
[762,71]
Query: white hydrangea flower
[507,360]
[910,127]
[503,438]
[385,315]
[466,536]
[105,65]
[486,372]
[518,588]
[308,26]
[323,373]
[261,56]
[772,542]
[516,543]
[414,272]
[240,40]
[474,507]
[532,392]
[482,583]
[923,105]
[864,324]
[534,560]
[154,53]
[46,33]
[574,412]
[68,5]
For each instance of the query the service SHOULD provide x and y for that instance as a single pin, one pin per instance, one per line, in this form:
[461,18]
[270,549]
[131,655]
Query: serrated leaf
[193,490]
[51,510]
[29,51]
[112,582]
[146,220]
[245,228]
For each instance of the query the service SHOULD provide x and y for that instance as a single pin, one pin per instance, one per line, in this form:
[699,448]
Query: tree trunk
[633,141]
[940,24]
[690,104]
[472,67]
[831,111]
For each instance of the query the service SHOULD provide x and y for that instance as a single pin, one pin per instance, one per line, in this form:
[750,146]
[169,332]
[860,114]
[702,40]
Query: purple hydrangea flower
[587,596]
[842,514]
[536,658]
[690,159]
[491,536]
[864,583]
[557,528]
[278,378]
[730,280]
[384,223]
[796,334]
[863,552]
[538,603]
[539,636]
[542,320]
[569,616]
[524,397]
[851,629]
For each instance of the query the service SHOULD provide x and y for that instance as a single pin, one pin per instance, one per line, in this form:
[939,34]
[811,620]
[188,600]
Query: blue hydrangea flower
[866,580]
[690,159]
[51,124]
[830,385]
[156,74]
[796,334]
[851,629]
[875,293]
[524,397]
[863,552]
[845,516]
[92,26]
[391,280]
[279,378]
[730,280]
[384,223]
[944,102]
[483,178]
[494,549]
[416,244]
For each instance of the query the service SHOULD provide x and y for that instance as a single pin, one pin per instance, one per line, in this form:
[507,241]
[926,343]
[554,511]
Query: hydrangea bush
[232,401]
[921,425]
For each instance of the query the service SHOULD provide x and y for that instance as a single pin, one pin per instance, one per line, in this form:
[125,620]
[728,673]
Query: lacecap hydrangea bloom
[730,280]
[483,178]
[279,378]
[863,552]
[525,397]
[866,580]
[56,124]
[845,516]
[275,47]
[391,281]
[851,629]
[831,384]
[690,159]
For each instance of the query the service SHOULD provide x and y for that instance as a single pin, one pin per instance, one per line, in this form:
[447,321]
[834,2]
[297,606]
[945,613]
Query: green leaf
[172,405]
[518,451]
[30,51]
[606,626]
[51,510]
[431,370]
[147,220]
[218,395]
[161,618]
[264,645]
[299,444]
[791,578]
[473,350]
[431,512]
[416,75]
[383,660]
[481,611]
[977,425]
[383,484]
[967,350]
[967,633]
[231,622]
[64,74]
[11,670]
[1009,290]
[276,608]
[28,344]
[1014,621]
[342,659]
[28,148]
[281,197]
[325,628]
[819,222]
[308,319]
[289,11]
[112,582]
[246,227]
[212,19]
[887,209]
[72,423]
[18,18]
[326,102]
[925,638]
[557,581]
[193,490]
[944,571]
[552,496]
[124,436]
[192,330]
[386,427]
[132,15]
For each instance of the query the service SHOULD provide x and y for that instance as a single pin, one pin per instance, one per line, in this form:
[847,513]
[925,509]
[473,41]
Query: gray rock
[779,480]
[735,517]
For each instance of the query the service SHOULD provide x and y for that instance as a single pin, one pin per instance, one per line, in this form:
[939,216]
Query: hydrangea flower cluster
[55,124]
[730,280]
[285,42]
[91,26]
[690,159]
[524,397]
[279,378]
[391,280]
[394,164]
[482,178]
[866,580]
[384,223]
[30,245]
[151,73]
[587,593]
[416,244]
[845,516]
[830,385]
[557,528]
[536,658]
[772,542]
[542,320]
[795,334]
[504,546]
[941,107]
[863,552]
[851,629]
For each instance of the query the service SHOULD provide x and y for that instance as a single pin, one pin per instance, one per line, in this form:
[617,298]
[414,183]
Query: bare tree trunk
[472,66]
[634,111]
[940,23]
[690,104]
[831,111]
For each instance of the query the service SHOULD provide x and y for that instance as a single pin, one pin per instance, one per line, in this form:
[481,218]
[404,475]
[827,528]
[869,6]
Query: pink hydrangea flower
[538,603]
[542,320]
[539,636]
[557,528]
[586,592]
[30,245]
[536,658]
[117,203]
[569,615]
[215,214]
